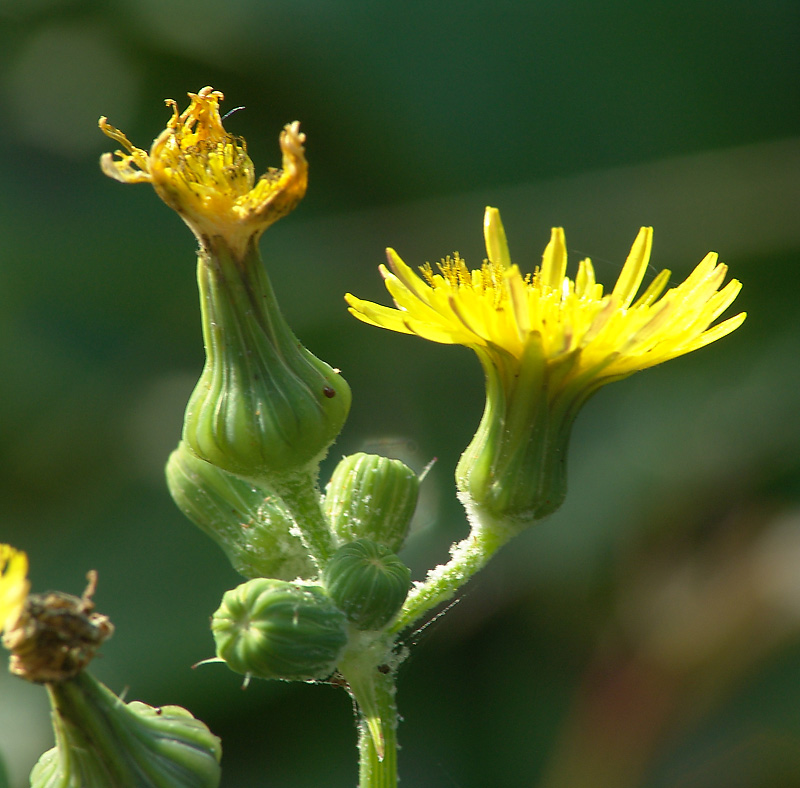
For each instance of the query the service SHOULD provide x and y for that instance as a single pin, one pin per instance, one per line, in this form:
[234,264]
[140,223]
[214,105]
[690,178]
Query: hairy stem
[487,535]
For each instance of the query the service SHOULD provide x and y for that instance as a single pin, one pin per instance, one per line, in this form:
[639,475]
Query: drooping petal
[377,315]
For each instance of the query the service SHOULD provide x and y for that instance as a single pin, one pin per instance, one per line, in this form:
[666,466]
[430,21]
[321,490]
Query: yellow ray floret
[499,312]
[14,585]
[205,174]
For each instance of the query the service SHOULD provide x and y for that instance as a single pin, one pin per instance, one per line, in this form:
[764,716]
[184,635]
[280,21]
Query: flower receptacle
[264,406]
[516,464]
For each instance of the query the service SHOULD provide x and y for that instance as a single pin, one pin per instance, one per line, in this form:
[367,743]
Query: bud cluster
[281,625]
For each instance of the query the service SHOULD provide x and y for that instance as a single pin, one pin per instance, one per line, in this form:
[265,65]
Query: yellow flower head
[498,311]
[14,585]
[546,343]
[205,174]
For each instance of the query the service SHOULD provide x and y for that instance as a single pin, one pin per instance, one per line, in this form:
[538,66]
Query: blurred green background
[648,634]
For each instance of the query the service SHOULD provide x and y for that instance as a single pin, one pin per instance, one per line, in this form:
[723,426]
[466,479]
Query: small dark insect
[384,669]
[329,392]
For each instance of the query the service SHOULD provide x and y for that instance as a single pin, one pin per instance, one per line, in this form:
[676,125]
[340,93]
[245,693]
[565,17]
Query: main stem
[369,669]
[374,771]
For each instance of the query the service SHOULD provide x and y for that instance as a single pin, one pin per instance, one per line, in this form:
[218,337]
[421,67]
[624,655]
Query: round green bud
[277,630]
[368,582]
[372,497]
[249,522]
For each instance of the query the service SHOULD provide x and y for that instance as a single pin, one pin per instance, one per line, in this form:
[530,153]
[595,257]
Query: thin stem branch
[486,537]
[299,493]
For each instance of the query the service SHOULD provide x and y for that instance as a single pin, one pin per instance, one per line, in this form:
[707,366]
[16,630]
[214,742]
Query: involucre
[272,629]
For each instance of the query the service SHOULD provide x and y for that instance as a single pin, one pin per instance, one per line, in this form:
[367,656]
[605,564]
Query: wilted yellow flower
[205,174]
[545,339]
[14,585]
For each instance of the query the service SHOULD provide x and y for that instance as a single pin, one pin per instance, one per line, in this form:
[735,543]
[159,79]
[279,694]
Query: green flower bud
[264,406]
[251,524]
[276,630]
[368,582]
[372,497]
[102,742]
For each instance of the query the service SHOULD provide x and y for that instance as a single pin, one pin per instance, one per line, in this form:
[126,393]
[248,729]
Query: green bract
[277,630]
[372,497]
[264,406]
[368,582]
[251,524]
[102,742]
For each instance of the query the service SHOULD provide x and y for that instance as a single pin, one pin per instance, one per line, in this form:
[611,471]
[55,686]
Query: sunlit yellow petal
[377,315]
[518,295]
[554,260]
[584,281]
[717,332]
[634,269]
[495,310]
[406,301]
[703,269]
[495,237]
[408,278]
[725,298]
[654,290]
[14,585]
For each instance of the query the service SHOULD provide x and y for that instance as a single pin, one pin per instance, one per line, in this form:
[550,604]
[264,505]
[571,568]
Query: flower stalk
[265,409]
[487,535]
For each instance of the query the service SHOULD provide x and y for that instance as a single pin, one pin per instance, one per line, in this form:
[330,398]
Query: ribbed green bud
[368,582]
[251,524]
[515,467]
[372,497]
[102,742]
[264,406]
[276,630]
